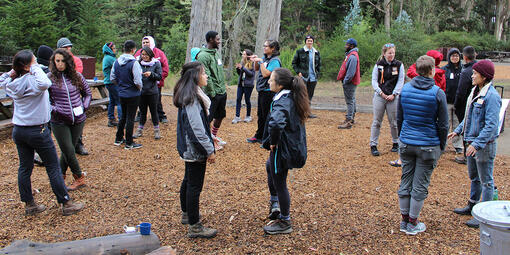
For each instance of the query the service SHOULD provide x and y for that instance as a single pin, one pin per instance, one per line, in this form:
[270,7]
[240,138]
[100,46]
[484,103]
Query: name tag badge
[219,62]
[380,67]
[395,71]
[452,76]
[480,101]
[78,110]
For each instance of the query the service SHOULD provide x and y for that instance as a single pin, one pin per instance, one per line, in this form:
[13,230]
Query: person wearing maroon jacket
[350,76]
[159,55]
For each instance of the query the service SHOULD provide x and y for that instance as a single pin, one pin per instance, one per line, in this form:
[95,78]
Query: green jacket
[213,64]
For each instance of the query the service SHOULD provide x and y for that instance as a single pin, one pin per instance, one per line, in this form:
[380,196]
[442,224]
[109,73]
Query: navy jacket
[452,75]
[249,77]
[422,115]
[463,90]
[284,129]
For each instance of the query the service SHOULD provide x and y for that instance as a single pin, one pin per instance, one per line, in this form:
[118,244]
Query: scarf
[151,63]
[205,99]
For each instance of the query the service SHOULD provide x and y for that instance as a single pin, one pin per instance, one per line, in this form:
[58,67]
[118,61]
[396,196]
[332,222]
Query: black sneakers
[274,210]
[465,210]
[394,148]
[278,226]
[374,150]
[119,142]
[132,146]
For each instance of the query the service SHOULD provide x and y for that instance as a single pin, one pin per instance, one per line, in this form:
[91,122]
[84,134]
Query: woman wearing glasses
[387,80]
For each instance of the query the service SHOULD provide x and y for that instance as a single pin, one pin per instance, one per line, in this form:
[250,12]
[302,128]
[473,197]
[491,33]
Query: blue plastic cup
[145,228]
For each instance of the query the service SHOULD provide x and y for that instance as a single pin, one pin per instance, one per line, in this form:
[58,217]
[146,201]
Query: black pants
[129,106]
[263,107]
[190,189]
[37,138]
[151,102]
[161,113]
[277,183]
[246,91]
[310,88]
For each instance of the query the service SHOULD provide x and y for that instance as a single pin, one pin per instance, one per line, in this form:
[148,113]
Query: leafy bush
[175,46]
[286,56]
[458,39]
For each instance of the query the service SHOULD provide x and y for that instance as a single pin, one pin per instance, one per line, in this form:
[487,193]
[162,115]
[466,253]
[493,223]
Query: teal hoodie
[108,60]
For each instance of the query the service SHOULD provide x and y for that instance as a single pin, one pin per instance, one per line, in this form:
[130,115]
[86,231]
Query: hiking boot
[465,210]
[461,160]
[70,208]
[80,150]
[403,226]
[119,142]
[347,124]
[236,120]
[374,151]
[312,116]
[247,119]
[274,210]
[198,230]
[185,219]
[253,140]
[394,148]
[415,229]
[31,208]
[278,226]
[138,133]
[132,146]
[112,123]
[77,183]
[473,223]
[157,134]
[164,120]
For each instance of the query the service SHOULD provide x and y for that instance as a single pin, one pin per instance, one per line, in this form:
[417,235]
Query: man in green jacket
[307,64]
[215,89]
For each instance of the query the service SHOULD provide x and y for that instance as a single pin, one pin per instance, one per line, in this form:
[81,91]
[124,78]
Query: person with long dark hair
[285,137]
[265,66]
[194,143]
[151,74]
[245,84]
[28,85]
[70,97]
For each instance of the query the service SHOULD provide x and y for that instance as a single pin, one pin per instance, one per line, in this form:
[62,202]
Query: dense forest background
[414,26]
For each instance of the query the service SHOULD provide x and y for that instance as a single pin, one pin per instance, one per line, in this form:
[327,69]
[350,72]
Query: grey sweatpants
[381,105]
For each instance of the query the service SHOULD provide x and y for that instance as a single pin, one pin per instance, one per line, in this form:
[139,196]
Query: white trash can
[494,217]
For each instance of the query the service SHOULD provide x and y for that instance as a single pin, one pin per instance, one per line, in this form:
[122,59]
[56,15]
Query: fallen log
[134,243]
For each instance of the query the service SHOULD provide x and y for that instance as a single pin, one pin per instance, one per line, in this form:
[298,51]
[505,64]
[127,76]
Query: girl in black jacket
[245,84]
[285,137]
[151,75]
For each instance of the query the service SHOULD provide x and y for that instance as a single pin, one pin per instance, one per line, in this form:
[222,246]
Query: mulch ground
[343,200]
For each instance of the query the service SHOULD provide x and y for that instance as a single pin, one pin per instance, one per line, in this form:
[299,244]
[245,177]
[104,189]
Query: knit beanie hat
[485,68]
[64,42]
[44,54]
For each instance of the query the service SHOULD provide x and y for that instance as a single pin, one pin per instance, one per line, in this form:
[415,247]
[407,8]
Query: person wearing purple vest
[70,97]
[127,73]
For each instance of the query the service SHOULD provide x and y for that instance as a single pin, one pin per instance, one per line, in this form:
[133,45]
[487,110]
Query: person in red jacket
[350,76]
[159,55]
[439,77]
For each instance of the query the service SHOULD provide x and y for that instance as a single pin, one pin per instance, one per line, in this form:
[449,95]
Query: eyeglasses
[389,45]
[266,45]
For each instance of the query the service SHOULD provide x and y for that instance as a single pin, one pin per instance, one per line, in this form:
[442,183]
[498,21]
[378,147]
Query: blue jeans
[37,138]
[246,91]
[480,168]
[113,93]
[350,100]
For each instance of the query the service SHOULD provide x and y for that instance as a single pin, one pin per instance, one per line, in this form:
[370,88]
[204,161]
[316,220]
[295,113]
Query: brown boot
[69,207]
[347,124]
[31,208]
[77,183]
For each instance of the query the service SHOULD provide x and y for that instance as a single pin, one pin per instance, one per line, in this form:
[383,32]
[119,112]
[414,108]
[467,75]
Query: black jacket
[249,77]
[150,84]
[452,75]
[284,129]
[301,60]
[194,140]
[464,89]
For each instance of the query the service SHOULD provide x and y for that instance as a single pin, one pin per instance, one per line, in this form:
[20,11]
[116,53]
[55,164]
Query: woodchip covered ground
[343,200]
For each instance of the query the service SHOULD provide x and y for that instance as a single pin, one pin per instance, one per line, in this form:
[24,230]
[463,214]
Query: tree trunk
[233,49]
[268,25]
[401,7]
[502,15]
[205,16]
[387,15]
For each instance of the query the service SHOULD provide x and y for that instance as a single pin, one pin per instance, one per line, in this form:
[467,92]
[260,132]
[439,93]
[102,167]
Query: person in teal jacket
[109,51]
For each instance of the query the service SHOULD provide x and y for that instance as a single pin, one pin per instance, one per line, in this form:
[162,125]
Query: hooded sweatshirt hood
[422,82]
[438,57]
[107,50]
[450,53]
[152,43]
[124,58]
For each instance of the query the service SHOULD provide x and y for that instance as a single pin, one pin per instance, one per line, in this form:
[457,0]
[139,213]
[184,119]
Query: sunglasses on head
[389,45]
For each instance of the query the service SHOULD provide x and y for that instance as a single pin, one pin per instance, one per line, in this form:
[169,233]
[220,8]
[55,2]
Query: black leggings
[190,189]
[150,101]
[263,107]
[277,183]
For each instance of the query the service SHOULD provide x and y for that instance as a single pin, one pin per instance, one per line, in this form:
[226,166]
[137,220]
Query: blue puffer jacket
[108,60]
[422,115]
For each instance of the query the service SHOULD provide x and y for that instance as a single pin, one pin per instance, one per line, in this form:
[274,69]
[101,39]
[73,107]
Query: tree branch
[376,6]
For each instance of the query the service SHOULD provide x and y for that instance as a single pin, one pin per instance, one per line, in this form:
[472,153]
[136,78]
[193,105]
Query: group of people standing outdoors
[458,97]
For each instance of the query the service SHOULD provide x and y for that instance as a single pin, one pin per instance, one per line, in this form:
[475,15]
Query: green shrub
[458,39]
[286,56]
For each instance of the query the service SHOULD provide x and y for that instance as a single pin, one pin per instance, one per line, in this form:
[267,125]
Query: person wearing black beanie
[480,128]
[43,57]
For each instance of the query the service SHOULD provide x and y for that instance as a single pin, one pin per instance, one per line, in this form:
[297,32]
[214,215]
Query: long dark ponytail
[283,77]
[22,59]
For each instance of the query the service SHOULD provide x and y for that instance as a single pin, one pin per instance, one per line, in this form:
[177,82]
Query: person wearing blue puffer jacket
[480,130]
[422,121]
[109,51]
